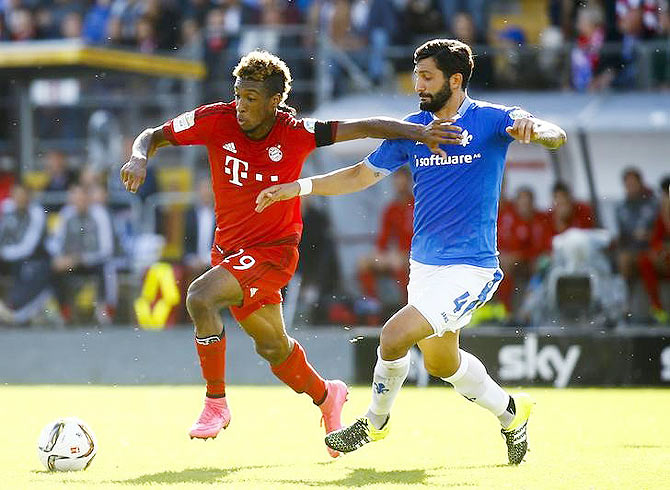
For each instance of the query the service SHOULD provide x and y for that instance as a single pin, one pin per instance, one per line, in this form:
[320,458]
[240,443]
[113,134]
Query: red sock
[299,374]
[212,354]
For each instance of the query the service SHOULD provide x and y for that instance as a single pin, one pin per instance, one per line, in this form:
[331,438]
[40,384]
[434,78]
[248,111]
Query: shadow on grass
[368,476]
[189,475]
[361,477]
[643,446]
[475,466]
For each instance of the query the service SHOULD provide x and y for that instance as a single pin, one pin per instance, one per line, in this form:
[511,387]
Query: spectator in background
[124,16]
[635,217]
[191,40]
[566,212]
[164,16]
[197,9]
[199,233]
[524,234]
[60,176]
[94,30]
[478,10]
[655,262]
[512,66]
[121,229]
[81,246]
[23,257]
[222,36]
[71,26]
[21,25]
[145,35]
[421,19]
[636,20]
[334,18]
[3,28]
[318,267]
[376,20]
[463,28]
[272,15]
[391,256]
[587,72]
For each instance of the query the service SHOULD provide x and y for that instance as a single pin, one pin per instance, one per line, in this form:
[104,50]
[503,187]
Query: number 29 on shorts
[244,262]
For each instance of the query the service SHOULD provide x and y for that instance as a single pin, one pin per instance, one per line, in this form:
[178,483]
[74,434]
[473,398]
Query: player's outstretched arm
[438,132]
[134,171]
[532,130]
[341,181]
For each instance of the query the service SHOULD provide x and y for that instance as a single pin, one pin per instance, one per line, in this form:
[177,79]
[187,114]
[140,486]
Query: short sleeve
[507,117]
[192,127]
[389,156]
[303,135]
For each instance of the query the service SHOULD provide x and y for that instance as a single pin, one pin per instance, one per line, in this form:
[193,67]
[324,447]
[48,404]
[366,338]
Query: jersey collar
[462,109]
[465,105]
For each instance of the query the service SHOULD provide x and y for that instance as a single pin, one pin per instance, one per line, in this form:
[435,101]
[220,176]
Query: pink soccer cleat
[331,408]
[214,417]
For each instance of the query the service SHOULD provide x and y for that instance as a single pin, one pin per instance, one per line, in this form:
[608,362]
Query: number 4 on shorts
[460,301]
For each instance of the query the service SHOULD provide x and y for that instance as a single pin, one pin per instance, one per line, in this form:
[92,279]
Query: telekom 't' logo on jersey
[239,170]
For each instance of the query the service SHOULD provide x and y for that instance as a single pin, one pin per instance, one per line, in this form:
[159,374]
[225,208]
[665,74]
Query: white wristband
[305,186]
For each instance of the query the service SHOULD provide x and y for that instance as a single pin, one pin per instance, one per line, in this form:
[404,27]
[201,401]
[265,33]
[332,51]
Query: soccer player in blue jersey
[454,262]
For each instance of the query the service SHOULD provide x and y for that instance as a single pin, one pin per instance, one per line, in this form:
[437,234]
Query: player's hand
[133,173]
[523,130]
[441,132]
[276,193]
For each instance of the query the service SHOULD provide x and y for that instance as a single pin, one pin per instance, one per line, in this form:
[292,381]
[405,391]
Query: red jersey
[528,238]
[582,217]
[242,167]
[397,226]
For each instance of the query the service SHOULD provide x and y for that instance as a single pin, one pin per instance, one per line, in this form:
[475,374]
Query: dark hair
[665,184]
[451,56]
[634,171]
[561,186]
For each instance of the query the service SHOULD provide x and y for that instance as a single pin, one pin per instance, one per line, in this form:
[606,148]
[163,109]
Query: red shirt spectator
[393,243]
[523,235]
[397,225]
[568,213]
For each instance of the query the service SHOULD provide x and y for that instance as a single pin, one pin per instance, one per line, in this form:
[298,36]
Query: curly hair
[262,66]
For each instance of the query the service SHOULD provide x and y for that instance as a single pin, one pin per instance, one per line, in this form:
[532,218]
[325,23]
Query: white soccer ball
[66,444]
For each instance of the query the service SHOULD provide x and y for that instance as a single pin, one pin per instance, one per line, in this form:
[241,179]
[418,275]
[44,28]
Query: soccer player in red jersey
[253,142]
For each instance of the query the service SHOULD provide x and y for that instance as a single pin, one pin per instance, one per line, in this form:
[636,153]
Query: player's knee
[440,368]
[198,301]
[394,342]
[273,352]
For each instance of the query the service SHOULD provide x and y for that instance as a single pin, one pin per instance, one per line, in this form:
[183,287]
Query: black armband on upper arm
[324,132]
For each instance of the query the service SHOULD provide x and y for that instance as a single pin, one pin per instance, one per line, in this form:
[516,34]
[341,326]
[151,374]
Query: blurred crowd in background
[74,248]
[60,263]
[366,30]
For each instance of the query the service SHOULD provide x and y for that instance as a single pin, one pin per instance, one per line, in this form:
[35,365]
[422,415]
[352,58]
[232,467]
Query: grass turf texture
[580,438]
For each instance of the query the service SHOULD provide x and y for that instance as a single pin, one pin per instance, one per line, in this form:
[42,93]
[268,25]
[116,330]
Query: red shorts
[262,270]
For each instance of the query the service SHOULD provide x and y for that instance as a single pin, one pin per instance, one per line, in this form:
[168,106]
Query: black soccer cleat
[350,438]
[516,436]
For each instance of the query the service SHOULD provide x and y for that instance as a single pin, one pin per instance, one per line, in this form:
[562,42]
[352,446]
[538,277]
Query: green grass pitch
[579,438]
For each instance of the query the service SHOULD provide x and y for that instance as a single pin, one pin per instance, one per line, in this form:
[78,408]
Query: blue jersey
[455,199]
